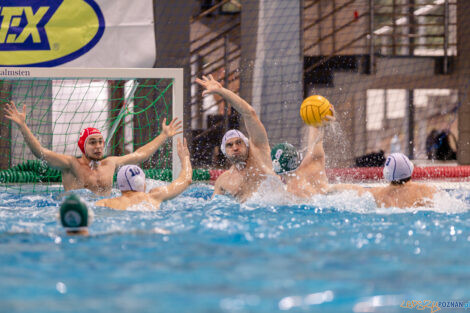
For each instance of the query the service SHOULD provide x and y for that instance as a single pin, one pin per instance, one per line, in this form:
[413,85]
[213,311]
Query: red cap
[84,135]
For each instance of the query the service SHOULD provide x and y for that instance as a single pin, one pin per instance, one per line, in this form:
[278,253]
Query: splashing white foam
[271,191]
[443,202]
[446,203]
[350,201]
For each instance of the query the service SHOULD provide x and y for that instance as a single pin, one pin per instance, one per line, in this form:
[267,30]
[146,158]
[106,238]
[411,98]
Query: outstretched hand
[174,128]
[13,114]
[182,149]
[210,84]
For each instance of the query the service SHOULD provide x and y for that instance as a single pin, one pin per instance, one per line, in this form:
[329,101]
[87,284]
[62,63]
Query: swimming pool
[336,253]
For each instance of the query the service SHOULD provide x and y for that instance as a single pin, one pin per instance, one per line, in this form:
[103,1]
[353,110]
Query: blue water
[333,254]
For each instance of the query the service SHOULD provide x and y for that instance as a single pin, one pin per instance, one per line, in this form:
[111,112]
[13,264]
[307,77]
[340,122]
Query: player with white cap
[92,170]
[401,192]
[250,158]
[398,169]
[131,182]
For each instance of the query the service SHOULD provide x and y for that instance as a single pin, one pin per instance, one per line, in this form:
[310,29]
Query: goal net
[127,105]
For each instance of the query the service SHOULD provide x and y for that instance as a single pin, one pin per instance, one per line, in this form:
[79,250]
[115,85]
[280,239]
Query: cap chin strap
[94,164]
[240,165]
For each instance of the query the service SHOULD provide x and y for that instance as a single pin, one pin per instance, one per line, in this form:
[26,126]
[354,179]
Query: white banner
[77,33]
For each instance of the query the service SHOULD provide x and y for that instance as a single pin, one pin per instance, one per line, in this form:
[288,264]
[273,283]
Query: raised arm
[52,158]
[255,128]
[183,180]
[315,150]
[315,153]
[143,153]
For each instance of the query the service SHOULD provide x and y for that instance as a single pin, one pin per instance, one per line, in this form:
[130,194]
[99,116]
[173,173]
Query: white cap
[131,177]
[397,167]
[233,133]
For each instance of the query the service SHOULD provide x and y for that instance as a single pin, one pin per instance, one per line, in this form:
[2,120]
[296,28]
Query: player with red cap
[91,171]
[84,136]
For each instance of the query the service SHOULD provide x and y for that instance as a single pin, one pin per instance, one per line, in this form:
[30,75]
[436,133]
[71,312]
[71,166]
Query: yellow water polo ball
[314,109]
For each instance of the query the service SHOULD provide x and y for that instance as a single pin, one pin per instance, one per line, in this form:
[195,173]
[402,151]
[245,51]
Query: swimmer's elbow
[250,113]
[188,180]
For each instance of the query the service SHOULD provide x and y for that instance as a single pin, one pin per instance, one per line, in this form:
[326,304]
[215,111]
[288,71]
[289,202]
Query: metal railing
[415,28]
[214,51]
[337,47]
[392,29]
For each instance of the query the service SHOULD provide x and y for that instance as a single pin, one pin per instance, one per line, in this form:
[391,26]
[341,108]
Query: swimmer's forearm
[186,174]
[145,152]
[253,124]
[52,158]
[315,143]
[180,184]
[236,101]
[315,135]
[32,142]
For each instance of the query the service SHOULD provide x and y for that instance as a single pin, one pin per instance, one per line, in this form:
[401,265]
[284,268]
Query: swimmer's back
[124,202]
[408,195]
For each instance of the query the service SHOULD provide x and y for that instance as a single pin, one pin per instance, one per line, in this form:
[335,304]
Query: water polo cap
[84,137]
[233,133]
[131,177]
[74,213]
[285,158]
[397,167]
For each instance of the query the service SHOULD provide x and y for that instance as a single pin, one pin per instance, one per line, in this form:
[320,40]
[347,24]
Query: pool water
[336,253]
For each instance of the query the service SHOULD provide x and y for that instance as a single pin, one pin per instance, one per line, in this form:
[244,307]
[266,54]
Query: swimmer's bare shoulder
[424,190]
[378,192]
[221,183]
[231,182]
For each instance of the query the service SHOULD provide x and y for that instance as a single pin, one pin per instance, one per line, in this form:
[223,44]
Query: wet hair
[401,181]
